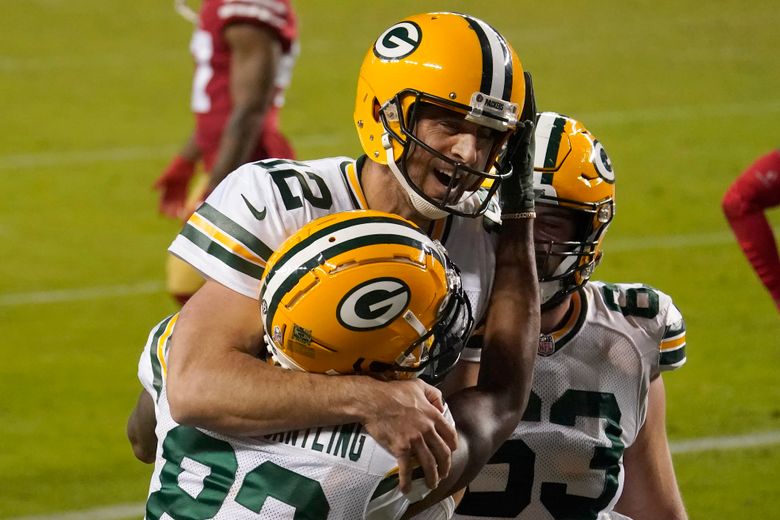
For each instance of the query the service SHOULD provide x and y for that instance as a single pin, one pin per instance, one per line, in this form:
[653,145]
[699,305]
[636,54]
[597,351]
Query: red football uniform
[211,101]
[757,189]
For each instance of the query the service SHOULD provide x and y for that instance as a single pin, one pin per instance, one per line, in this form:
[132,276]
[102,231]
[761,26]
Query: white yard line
[120,511]
[79,294]
[133,153]
[114,512]
[668,113]
[150,287]
[751,440]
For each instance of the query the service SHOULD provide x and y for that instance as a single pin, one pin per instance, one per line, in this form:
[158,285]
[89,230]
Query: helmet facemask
[400,117]
[574,184]
[565,265]
[438,350]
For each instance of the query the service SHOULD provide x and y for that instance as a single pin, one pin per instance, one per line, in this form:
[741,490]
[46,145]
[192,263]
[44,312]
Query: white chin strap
[422,206]
[548,289]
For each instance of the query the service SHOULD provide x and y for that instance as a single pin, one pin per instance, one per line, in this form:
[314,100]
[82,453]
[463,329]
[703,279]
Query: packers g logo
[398,41]
[373,304]
[602,163]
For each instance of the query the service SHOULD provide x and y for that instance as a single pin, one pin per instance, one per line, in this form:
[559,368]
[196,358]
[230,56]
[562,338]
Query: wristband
[518,216]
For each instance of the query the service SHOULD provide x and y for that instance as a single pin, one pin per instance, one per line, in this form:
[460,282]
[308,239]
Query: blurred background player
[592,440]
[244,51]
[756,190]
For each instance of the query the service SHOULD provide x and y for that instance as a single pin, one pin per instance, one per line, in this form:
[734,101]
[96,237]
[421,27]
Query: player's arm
[486,414]
[650,489]
[757,189]
[173,182]
[216,381]
[140,429]
[255,52]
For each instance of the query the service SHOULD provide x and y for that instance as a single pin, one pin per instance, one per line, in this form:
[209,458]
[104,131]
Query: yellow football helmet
[363,292]
[451,60]
[571,170]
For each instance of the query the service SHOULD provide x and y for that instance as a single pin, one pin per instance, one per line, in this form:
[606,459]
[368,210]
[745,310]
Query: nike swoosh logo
[259,215]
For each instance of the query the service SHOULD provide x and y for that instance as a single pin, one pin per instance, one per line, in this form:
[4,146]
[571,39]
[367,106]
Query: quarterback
[438,96]
[592,442]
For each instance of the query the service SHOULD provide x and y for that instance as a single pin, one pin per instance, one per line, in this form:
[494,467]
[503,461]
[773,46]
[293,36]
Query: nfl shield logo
[277,334]
[546,345]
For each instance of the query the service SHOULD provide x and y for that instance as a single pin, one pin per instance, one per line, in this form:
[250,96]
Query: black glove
[517,192]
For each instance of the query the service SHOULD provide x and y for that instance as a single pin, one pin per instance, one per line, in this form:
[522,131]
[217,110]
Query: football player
[592,442]
[756,190]
[439,95]
[244,53]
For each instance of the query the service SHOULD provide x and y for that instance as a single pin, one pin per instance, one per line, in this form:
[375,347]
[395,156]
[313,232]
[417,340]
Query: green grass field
[94,100]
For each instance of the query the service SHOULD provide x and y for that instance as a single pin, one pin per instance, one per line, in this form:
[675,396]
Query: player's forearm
[487,414]
[140,429]
[238,142]
[512,331]
[240,394]
[757,241]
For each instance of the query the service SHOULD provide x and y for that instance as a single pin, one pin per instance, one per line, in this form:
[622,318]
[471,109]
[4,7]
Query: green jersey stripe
[216,250]
[674,330]
[390,482]
[233,229]
[345,177]
[672,357]
[156,367]
[385,486]
[559,344]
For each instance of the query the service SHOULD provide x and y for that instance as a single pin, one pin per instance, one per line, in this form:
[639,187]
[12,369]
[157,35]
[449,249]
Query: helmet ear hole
[375,110]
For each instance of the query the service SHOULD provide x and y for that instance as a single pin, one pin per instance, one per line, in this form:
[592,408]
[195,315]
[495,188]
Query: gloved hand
[173,186]
[517,192]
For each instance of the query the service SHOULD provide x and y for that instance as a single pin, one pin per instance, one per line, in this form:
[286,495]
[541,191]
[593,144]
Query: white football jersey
[588,403]
[232,234]
[325,473]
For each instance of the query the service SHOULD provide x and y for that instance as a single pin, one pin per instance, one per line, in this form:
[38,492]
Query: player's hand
[172,185]
[407,420]
[517,192]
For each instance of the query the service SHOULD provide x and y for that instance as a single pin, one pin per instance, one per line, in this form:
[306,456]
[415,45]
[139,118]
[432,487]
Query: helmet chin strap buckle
[387,144]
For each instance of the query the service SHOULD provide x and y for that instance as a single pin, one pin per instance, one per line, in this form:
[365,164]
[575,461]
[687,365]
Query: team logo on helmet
[398,41]
[602,163]
[373,304]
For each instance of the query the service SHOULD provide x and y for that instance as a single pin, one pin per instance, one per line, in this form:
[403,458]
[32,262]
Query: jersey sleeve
[388,502]
[231,236]
[473,351]
[672,346]
[439,511]
[152,363]
[276,15]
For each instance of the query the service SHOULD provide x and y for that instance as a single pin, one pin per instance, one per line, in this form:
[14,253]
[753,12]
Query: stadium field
[94,100]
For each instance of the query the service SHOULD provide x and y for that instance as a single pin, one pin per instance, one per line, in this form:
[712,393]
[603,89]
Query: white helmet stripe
[496,61]
[549,127]
[295,266]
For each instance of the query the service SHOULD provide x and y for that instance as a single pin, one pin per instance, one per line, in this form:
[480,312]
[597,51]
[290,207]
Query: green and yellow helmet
[451,60]
[571,170]
[363,291]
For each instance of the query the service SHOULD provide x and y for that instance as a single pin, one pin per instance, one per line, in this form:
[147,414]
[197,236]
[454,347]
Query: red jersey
[757,189]
[211,101]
